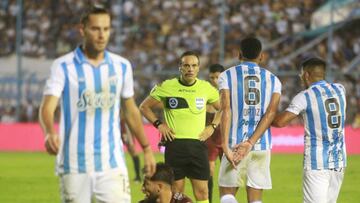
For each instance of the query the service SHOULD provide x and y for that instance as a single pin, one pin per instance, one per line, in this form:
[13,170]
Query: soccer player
[250,96]
[157,188]
[184,105]
[90,82]
[214,141]
[322,105]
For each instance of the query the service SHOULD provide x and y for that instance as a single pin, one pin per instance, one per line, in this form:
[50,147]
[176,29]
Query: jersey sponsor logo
[90,100]
[248,122]
[200,103]
[185,90]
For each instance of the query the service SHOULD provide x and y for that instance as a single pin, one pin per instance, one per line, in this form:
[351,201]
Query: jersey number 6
[252,94]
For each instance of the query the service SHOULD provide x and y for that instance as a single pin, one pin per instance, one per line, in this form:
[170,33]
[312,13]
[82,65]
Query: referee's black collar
[186,84]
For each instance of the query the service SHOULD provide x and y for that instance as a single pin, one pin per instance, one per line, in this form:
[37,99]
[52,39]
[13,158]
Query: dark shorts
[188,158]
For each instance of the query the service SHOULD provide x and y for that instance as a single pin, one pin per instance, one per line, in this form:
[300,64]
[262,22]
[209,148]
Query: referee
[184,102]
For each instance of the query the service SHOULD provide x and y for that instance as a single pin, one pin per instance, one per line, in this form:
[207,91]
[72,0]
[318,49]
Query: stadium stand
[153,33]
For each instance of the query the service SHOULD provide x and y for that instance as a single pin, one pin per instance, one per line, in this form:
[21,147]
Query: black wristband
[157,123]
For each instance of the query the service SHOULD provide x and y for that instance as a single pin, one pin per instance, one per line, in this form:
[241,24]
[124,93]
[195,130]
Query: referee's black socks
[210,186]
[136,161]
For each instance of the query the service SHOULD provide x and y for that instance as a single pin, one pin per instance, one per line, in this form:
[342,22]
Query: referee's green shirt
[185,106]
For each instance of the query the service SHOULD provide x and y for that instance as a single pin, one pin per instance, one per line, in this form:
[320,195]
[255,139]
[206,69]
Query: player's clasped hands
[167,134]
[240,151]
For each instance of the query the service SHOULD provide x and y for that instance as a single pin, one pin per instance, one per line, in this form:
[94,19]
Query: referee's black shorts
[188,158]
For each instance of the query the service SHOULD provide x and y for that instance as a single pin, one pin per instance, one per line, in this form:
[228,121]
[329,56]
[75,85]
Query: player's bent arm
[46,118]
[225,117]
[47,112]
[133,118]
[147,106]
[216,120]
[267,119]
[283,119]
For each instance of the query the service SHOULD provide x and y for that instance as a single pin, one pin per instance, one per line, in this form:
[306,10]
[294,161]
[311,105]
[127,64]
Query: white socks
[228,198]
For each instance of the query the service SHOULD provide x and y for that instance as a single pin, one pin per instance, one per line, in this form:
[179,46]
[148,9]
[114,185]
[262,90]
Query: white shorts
[322,186]
[253,170]
[105,187]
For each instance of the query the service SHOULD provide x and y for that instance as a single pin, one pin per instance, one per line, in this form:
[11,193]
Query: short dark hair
[213,68]
[163,173]
[190,53]
[312,63]
[250,47]
[91,10]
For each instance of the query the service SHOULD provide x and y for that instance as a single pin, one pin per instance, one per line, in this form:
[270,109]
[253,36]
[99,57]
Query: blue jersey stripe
[97,122]
[263,95]
[67,119]
[252,109]
[335,131]
[324,130]
[272,78]
[113,163]
[342,109]
[311,124]
[82,119]
[124,69]
[229,80]
[240,99]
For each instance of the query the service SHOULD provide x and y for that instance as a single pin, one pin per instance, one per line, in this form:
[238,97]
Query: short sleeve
[277,86]
[128,84]
[223,81]
[213,94]
[156,92]
[55,83]
[298,104]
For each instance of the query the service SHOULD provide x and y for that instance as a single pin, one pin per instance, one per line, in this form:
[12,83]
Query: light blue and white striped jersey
[251,88]
[323,107]
[90,106]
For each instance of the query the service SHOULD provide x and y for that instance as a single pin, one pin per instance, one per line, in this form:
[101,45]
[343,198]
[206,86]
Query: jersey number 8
[332,110]
[252,94]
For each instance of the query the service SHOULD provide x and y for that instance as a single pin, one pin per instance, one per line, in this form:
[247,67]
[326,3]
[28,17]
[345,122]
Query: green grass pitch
[29,177]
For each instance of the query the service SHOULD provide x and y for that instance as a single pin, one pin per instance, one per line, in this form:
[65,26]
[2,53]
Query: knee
[201,193]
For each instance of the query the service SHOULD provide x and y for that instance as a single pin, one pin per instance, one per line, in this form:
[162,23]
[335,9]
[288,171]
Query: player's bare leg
[179,186]
[254,195]
[200,189]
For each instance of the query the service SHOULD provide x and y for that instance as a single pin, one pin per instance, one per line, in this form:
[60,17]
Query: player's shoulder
[339,85]
[118,59]
[64,59]
[267,71]
[204,83]
[302,93]
[168,82]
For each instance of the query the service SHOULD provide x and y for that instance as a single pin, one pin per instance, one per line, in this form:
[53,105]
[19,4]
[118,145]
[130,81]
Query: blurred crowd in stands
[153,33]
